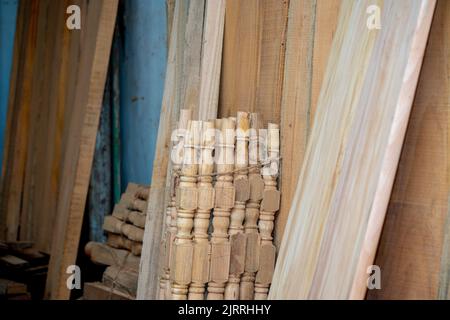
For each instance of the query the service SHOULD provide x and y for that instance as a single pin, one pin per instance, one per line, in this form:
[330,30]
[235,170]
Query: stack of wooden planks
[338,209]
[121,253]
[55,98]
[23,271]
[225,175]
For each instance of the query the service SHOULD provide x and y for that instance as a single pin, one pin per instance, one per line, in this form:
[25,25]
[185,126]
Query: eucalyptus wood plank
[253,58]
[338,209]
[414,247]
[311,26]
[80,143]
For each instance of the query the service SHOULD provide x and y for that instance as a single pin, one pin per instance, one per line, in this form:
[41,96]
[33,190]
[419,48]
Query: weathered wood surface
[344,187]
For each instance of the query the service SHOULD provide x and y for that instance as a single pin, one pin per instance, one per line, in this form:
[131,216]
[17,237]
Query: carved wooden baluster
[256,182]
[165,291]
[242,194]
[269,206]
[200,264]
[186,201]
[224,202]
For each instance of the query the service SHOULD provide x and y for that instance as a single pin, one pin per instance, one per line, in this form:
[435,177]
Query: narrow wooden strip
[79,153]
[211,59]
[311,27]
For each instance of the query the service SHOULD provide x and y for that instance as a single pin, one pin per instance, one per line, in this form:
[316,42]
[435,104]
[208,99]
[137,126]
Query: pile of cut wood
[23,271]
[121,253]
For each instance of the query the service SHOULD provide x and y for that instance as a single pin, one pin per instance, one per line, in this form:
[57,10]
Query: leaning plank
[340,202]
[19,106]
[414,247]
[253,58]
[211,59]
[148,274]
[240,57]
[311,26]
[78,153]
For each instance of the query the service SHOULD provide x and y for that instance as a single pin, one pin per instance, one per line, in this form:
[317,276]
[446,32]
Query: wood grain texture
[192,81]
[211,59]
[149,267]
[414,246]
[253,58]
[80,142]
[16,136]
[347,175]
[311,26]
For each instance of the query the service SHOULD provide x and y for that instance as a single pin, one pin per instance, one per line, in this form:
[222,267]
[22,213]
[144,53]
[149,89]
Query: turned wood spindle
[269,206]
[200,264]
[242,194]
[165,291]
[224,202]
[256,182]
[186,202]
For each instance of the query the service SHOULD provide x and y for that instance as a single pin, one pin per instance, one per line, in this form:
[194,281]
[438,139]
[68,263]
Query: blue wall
[8,14]
[142,72]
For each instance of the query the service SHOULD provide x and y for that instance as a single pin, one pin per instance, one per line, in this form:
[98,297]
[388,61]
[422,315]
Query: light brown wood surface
[311,26]
[253,58]
[338,209]
[78,155]
[211,59]
[414,247]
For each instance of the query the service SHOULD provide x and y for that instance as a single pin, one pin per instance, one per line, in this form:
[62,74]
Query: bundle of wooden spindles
[121,253]
[220,216]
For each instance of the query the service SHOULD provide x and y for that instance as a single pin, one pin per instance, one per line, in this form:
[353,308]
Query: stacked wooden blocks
[220,217]
[121,253]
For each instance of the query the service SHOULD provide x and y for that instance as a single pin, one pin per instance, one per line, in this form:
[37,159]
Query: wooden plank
[311,27]
[15,154]
[413,251]
[274,15]
[148,274]
[240,57]
[190,79]
[10,288]
[39,193]
[79,150]
[353,152]
[211,59]
[253,58]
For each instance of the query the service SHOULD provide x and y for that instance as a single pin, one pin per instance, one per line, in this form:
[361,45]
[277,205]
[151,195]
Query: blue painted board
[8,15]
[142,72]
